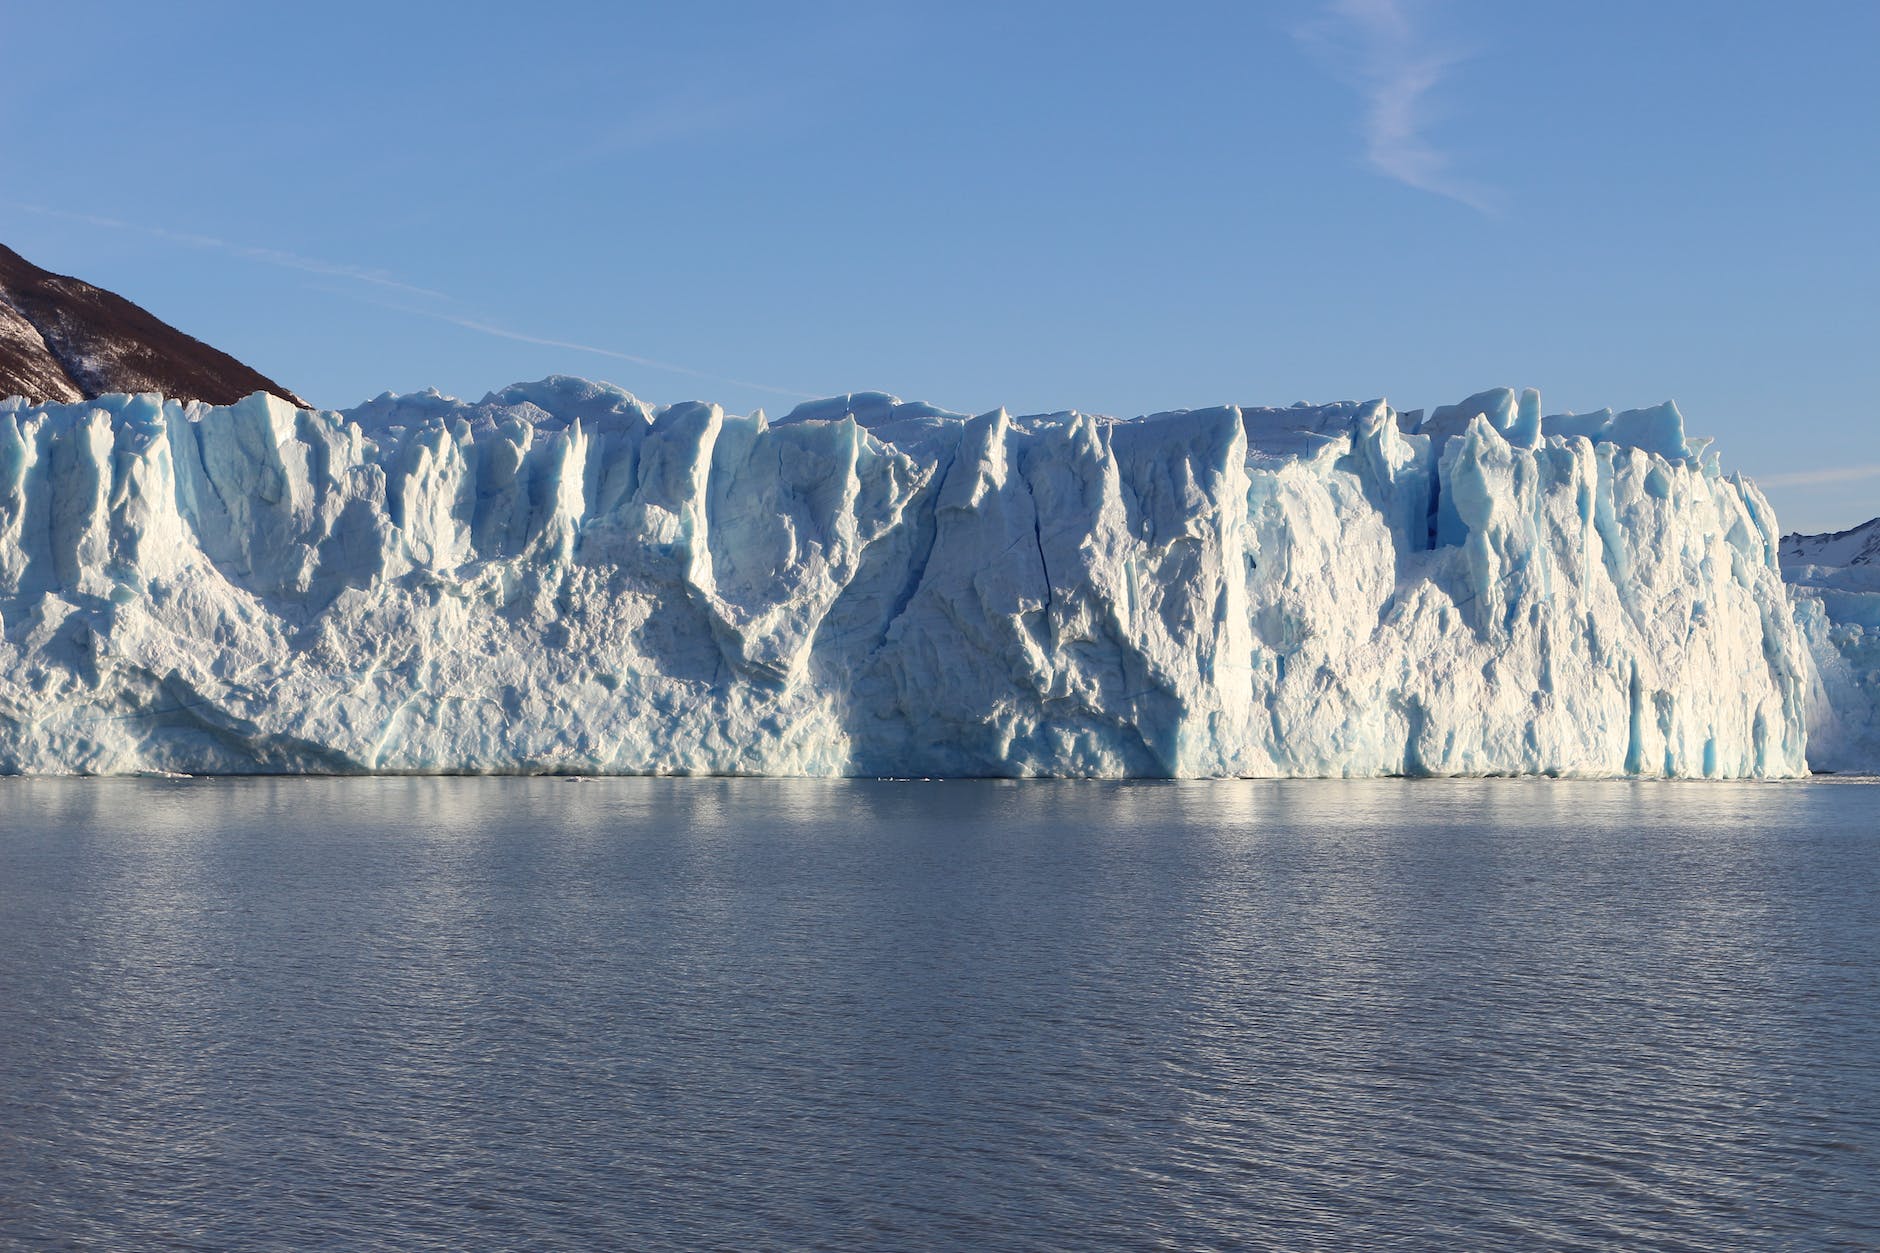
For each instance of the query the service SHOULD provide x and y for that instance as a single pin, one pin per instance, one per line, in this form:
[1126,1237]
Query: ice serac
[1834,582]
[561,578]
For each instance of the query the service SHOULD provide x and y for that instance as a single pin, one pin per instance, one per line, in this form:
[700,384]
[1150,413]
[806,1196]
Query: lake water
[746,1014]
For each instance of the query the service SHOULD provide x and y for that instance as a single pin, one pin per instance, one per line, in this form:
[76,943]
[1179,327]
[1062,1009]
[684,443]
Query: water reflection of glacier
[751,1013]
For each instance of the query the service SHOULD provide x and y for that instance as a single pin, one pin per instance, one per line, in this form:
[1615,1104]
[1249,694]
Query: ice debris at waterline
[561,578]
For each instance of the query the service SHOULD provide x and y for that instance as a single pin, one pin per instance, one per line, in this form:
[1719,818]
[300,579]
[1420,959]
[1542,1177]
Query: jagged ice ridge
[562,578]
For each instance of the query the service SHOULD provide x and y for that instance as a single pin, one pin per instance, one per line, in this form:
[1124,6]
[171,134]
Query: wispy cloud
[1828,474]
[690,115]
[447,309]
[1379,47]
[669,121]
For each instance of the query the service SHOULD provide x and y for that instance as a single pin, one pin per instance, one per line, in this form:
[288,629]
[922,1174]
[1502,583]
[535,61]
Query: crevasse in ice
[561,578]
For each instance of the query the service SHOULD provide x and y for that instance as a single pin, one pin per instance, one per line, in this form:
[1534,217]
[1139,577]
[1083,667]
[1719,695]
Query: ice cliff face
[1835,586]
[562,578]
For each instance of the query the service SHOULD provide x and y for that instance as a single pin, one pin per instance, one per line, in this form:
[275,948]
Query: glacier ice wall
[561,578]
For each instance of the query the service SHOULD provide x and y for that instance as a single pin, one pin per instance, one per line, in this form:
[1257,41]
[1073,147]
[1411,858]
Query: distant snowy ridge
[561,578]
[1856,546]
[1834,581]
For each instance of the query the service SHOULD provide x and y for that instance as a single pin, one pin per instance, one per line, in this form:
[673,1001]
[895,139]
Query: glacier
[562,578]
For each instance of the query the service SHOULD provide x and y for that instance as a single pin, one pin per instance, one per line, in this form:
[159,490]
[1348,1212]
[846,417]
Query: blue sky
[1115,208]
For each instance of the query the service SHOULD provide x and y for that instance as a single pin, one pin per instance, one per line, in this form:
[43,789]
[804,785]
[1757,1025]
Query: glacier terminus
[561,578]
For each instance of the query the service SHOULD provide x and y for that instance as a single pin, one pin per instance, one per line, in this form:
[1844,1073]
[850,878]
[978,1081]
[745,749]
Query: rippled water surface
[657,1013]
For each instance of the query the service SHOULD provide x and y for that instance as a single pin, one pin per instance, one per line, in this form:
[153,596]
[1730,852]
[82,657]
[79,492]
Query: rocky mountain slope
[61,340]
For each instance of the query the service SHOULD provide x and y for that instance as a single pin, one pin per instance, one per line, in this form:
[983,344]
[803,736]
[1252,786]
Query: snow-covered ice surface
[561,578]
[1835,586]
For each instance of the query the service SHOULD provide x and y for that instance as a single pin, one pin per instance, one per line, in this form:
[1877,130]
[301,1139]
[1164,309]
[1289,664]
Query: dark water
[645,1014]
